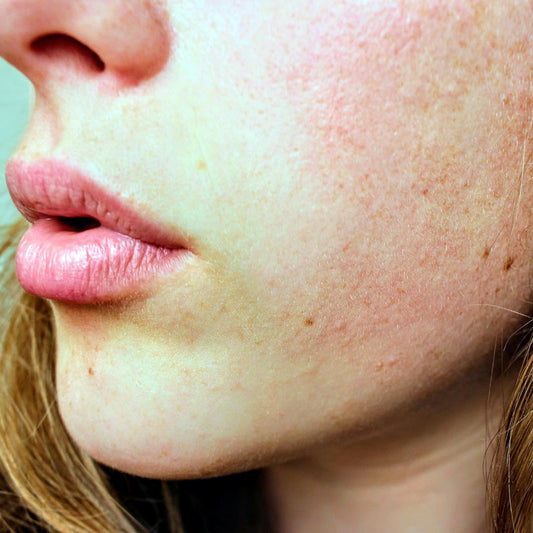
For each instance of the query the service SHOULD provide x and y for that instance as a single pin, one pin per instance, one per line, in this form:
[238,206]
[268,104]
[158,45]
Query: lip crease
[85,245]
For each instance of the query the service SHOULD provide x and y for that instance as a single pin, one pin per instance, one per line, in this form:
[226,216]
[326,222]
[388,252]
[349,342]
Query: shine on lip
[115,258]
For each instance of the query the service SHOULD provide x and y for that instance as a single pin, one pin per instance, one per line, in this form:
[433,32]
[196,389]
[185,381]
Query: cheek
[411,121]
[337,78]
[381,79]
[345,67]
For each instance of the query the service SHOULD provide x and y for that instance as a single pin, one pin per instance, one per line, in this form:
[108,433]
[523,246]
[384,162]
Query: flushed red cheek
[361,75]
[389,99]
[334,75]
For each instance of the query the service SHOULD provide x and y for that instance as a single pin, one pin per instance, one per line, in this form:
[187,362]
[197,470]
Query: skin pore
[353,179]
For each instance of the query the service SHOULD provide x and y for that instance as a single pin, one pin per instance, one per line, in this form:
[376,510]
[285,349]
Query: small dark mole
[486,253]
[309,321]
[509,263]
[91,371]
[202,165]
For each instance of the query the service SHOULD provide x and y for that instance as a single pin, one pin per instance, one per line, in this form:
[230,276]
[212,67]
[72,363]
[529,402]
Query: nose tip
[130,39]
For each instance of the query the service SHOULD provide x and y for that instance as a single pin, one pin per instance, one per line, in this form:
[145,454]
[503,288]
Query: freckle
[497,290]
[309,321]
[486,253]
[509,263]
[202,165]
[91,371]
[379,366]
[425,192]
[164,454]
[237,387]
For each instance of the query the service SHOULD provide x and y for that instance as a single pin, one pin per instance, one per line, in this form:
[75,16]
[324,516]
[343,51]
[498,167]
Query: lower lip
[97,265]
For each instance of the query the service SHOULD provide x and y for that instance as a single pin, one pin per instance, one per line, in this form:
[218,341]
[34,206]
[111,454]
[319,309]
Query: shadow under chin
[228,504]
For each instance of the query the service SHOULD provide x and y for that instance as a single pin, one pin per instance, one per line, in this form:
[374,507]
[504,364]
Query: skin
[353,178]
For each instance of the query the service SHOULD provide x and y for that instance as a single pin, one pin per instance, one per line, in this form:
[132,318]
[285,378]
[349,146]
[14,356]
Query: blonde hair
[46,479]
[511,483]
[47,482]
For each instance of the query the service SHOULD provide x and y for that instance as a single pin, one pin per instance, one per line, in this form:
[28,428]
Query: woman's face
[352,178]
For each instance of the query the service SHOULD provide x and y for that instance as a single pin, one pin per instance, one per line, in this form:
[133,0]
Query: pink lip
[119,253]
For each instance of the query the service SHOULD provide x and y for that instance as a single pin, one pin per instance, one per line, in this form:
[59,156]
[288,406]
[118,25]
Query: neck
[427,476]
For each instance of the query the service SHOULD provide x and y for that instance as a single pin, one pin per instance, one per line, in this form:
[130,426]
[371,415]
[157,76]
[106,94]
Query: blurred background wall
[15,91]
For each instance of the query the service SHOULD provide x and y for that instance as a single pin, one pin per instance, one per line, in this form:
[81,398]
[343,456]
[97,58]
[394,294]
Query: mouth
[79,224]
[86,245]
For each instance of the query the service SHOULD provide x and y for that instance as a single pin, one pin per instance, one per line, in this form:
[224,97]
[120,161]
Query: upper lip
[51,188]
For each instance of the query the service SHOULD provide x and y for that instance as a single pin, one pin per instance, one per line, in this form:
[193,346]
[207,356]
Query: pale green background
[15,92]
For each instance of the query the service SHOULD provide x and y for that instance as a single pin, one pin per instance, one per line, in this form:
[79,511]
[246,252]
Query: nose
[128,40]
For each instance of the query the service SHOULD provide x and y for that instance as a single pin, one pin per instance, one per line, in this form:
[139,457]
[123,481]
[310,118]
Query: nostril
[60,46]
